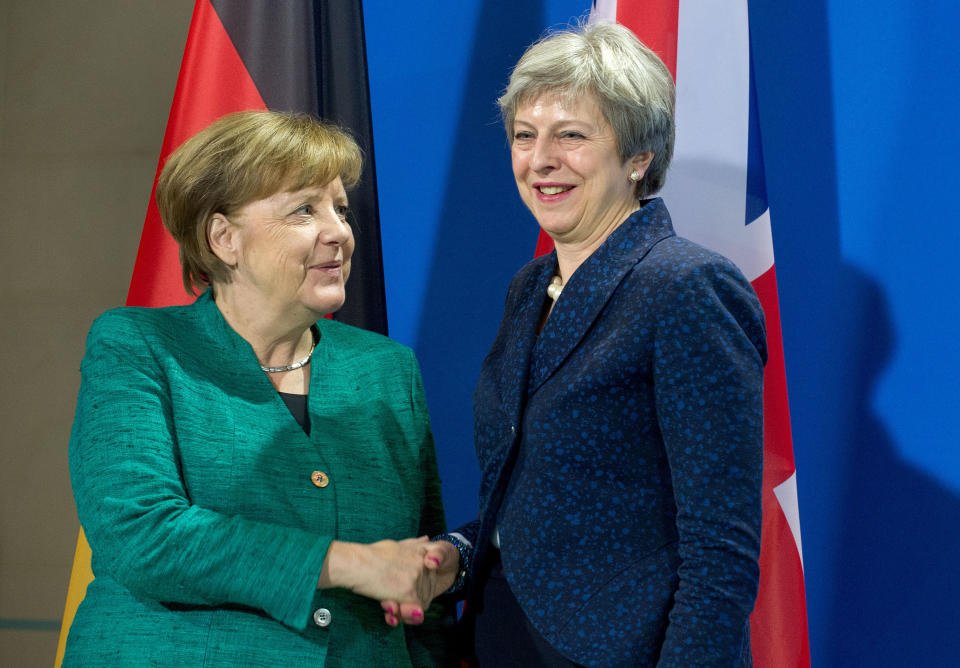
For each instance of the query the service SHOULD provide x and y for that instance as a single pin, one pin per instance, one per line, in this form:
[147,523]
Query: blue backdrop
[858,108]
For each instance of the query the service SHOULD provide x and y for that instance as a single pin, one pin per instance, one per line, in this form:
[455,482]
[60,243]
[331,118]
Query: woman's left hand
[441,563]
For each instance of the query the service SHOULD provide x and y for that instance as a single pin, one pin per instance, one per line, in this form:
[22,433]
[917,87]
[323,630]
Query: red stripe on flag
[655,23]
[544,244]
[777,439]
[778,625]
[779,621]
[213,81]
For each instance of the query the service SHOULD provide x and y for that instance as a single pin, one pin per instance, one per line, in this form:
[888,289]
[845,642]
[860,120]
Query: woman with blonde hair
[248,473]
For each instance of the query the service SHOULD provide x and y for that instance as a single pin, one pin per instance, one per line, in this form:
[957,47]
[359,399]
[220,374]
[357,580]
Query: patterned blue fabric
[621,452]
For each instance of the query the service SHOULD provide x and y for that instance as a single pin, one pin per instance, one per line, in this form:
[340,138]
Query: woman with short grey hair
[619,412]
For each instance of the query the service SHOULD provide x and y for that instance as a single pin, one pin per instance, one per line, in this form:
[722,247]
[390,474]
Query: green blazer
[196,489]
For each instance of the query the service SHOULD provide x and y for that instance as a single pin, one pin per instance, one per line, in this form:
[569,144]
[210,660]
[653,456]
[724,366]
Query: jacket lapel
[518,336]
[235,362]
[587,292]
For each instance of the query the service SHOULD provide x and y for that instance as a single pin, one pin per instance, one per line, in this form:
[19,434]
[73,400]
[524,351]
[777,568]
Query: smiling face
[568,170]
[290,251]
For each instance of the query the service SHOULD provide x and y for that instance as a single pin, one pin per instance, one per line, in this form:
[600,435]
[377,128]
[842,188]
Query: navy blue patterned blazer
[621,452]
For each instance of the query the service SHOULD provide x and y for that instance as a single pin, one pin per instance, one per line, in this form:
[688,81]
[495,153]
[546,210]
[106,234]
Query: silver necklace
[296,365]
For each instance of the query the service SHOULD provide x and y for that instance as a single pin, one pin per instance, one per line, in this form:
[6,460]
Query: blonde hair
[631,85]
[239,158]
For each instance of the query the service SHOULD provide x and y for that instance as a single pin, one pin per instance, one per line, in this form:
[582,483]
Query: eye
[521,135]
[342,211]
[304,210]
[572,134]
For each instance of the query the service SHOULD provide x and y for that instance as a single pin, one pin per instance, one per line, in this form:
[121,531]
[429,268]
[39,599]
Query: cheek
[280,251]
[274,247]
[347,254]
[295,245]
[518,163]
[282,259]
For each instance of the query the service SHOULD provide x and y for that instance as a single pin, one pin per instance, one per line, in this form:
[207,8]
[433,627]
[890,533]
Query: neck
[571,253]
[277,338]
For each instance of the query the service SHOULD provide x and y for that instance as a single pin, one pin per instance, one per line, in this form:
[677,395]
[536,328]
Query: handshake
[405,575]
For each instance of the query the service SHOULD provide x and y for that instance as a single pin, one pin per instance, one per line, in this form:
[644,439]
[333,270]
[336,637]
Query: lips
[332,267]
[552,188]
[552,192]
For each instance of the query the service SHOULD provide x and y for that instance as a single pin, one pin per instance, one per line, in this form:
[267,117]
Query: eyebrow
[566,121]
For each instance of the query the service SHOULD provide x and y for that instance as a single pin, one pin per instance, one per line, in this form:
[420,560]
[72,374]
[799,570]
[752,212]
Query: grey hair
[631,85]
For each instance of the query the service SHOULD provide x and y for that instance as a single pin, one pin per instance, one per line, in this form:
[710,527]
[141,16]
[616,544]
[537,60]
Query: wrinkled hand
[441,562]
[385,570]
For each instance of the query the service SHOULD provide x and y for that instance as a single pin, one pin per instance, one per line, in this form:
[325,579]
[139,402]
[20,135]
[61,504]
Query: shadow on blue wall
[896,579]
[485,236]
[879,536]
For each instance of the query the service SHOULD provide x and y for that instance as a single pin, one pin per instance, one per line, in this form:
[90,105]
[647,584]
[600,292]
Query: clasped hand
[439,564]
[405,575]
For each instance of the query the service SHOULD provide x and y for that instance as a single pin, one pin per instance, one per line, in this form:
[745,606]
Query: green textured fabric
[193,485]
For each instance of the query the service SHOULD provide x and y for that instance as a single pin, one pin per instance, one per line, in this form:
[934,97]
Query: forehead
[293,193]
[332,189]
[554,106]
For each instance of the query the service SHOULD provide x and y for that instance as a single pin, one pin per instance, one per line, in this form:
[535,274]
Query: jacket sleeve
[430,643]
[708,378]
[141,525]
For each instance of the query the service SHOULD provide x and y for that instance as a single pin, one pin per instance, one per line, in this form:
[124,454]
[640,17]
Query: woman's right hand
[387,570]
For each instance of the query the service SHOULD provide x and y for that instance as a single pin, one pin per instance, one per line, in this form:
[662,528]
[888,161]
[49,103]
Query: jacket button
[320,479]
[322,618]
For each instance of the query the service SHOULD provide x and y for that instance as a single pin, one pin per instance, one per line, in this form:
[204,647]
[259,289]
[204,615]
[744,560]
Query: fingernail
[391,620]
[434,561]
[417,614]
[391,609]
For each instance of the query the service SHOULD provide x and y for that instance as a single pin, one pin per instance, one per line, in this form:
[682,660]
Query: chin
[326,303]
[553,227]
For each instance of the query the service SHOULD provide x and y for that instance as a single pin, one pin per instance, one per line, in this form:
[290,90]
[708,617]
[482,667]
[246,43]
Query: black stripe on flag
[310,56]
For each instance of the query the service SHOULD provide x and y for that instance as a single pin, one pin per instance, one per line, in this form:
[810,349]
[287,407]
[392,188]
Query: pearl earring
[634,176]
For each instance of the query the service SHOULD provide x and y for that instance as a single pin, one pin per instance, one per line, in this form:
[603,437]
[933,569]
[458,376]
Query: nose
[333,230]
[545,156]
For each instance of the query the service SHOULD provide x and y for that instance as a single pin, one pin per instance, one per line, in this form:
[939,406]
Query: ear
[224,239]
[640,162]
